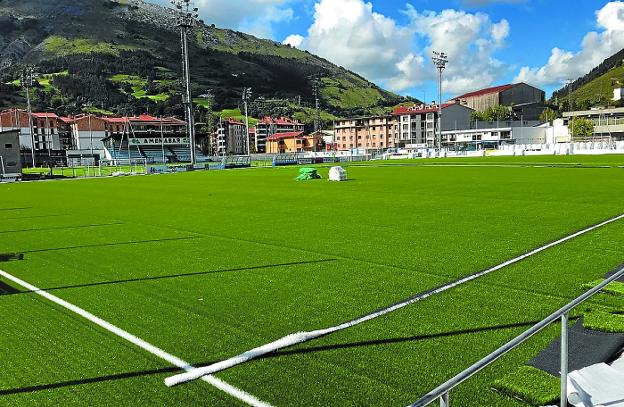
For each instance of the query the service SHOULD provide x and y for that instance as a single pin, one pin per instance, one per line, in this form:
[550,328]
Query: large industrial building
[515,94]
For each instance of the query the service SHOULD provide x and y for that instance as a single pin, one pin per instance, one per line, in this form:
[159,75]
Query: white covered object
[596,386]
[337,174]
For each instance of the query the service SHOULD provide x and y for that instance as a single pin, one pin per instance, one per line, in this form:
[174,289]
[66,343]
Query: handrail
[441,392]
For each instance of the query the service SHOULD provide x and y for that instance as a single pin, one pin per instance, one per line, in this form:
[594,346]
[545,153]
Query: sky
[390,42]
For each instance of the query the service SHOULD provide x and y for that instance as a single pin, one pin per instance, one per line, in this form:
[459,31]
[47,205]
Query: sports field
[207,265]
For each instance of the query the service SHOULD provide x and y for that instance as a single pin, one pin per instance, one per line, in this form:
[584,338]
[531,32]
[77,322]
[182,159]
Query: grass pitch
[206,265]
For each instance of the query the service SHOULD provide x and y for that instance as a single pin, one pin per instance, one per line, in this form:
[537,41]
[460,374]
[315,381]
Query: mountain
[595,88]
[124,56]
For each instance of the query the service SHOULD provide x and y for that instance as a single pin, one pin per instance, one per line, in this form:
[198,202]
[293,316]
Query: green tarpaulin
[307,173]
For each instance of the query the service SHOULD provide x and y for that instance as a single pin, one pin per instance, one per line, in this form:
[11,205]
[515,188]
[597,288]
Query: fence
[442,392]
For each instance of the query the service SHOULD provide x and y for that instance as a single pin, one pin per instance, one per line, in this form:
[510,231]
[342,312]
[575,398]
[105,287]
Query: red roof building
[507,95]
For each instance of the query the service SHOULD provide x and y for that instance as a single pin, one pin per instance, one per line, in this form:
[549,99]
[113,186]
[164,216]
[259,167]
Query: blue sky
[489,42]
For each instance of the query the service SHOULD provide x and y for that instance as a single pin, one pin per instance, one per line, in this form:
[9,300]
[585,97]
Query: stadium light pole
[28,78]
[187,15]
[440,59]
[246,97]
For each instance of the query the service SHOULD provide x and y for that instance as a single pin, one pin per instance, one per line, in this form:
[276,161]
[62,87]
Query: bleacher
[154,154]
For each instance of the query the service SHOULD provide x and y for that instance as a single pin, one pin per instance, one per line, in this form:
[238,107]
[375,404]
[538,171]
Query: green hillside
[124,56]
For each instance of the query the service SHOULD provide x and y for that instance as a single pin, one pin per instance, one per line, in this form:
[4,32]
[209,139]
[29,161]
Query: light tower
[246,97]
[28,79]
[187,16]
[440,59]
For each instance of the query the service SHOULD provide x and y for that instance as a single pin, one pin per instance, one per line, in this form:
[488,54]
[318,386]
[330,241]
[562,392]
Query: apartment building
[230,138]
[88,131]
[416,126]
[49,131]
[370,133]
[270,126]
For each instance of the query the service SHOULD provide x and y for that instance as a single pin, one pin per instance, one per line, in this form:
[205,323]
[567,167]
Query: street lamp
[440,59]
[187,16]
[28,79]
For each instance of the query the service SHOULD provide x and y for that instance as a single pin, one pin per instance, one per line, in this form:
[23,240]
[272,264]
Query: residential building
[230,138]
[370,133]
[608,122]
[88,130]
[293,142]
[10,159]
[17,119]
[269,126]
[416,126]
[507,95]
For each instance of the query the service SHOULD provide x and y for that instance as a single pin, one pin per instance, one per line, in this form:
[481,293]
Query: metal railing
[442,392]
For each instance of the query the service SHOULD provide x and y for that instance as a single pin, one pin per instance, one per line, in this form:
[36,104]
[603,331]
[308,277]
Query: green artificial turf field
[206,265]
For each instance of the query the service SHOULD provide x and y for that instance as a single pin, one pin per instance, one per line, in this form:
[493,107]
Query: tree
[548,115]
[581,127]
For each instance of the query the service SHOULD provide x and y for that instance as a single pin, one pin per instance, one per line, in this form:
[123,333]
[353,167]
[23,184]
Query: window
[8,146]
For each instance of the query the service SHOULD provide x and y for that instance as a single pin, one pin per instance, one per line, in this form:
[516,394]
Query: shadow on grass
[165,239]
[141,373]
[389,341]
[90,380]
[170,276]
[15,209]
[60,228]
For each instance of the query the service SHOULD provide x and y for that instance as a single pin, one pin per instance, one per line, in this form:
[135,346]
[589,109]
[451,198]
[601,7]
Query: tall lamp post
[246,97]
[28,79]
[440,59]
[186,18]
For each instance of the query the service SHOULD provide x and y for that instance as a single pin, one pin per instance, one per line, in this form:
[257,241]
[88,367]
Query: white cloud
[350,33]
[294,40]
[595,48]
[252,16]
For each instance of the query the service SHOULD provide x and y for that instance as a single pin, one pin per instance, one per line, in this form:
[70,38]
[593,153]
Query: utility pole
[440,59]
[28,78]
[246,97]
[187,16]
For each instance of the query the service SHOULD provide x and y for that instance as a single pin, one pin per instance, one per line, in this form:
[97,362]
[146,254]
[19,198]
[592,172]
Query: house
[293,142]
[269,126]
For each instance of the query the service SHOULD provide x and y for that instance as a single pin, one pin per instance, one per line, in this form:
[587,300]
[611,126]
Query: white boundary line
[300,337]
[219,384]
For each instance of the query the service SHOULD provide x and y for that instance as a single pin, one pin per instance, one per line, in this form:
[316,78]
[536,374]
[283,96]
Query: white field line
[300,337]
[219,384]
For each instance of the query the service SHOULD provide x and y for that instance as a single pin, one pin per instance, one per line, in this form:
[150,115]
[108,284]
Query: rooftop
[281,136]
[486,91]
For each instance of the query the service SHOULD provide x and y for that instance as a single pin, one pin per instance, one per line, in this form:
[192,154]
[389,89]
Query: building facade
[507,95]
[293,142]
[270,126]
[608,123]
[230,138]
[370,133]
[10,158]
[417,125]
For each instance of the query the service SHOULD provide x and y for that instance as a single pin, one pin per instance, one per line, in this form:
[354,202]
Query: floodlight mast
[28,78]
[187,16]
[246,97]
[440,59]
